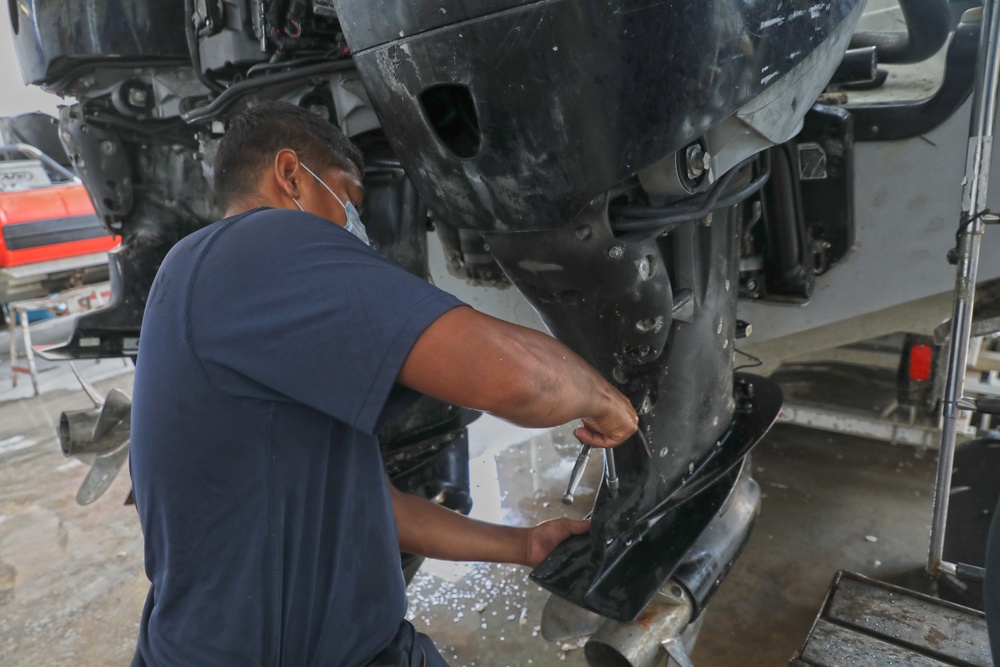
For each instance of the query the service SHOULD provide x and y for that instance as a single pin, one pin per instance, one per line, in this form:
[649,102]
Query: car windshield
[26,168]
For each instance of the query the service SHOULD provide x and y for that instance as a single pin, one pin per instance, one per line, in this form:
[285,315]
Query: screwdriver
[611,472]
[576,475]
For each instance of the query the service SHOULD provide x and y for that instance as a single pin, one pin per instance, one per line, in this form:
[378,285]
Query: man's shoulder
[276,228]
[261,231]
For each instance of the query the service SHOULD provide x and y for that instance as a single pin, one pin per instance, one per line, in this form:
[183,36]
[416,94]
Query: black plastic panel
[374,22]
[825,151]
[53,36]
[618,579]
[656,314]
[570,96]
[37,233]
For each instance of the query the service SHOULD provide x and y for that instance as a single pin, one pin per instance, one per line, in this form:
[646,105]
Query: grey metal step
[867,623]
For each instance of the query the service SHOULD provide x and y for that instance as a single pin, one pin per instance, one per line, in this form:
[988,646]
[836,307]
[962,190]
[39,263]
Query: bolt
[137,96]
[698,161]
[108,148]
[644,268]
[752,285]
[646,325]
[616,252]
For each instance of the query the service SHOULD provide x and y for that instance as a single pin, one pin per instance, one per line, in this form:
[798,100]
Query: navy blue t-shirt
[270,344]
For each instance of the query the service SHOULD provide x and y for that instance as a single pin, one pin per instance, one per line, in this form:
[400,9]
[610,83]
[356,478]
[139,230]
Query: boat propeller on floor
[99,436]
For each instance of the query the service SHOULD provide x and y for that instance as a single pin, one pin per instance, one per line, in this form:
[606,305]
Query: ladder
[972,223]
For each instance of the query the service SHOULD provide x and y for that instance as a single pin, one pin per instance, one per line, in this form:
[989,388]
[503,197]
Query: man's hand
[543,538]
[611,429]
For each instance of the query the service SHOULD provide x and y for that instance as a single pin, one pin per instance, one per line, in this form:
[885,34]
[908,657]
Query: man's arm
[517,374]
[433,531]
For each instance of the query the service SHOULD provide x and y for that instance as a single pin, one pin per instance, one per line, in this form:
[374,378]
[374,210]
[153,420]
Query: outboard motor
[611,156]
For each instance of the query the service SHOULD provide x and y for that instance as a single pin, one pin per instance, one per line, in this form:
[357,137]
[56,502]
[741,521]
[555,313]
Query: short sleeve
[288,306]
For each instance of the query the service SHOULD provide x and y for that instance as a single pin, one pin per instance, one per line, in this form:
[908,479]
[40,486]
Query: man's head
[262,158]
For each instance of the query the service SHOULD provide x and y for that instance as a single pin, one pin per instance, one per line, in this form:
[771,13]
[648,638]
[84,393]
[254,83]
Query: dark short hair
[259,131]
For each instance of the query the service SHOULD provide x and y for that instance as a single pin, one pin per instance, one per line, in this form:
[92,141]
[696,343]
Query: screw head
[137,97]
[698,161]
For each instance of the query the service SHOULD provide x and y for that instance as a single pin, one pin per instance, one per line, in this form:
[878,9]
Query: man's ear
[287,172]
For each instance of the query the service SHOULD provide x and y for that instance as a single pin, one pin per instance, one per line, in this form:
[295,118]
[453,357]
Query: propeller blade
[101,475]
[99,436]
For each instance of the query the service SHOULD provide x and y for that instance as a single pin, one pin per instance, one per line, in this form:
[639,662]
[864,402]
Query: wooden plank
[831,645]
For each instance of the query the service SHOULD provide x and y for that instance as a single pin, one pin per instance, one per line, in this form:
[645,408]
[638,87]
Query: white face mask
[354,224]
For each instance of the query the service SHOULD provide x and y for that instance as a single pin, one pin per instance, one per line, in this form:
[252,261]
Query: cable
[161,132]
[754,361]
[966,221]
[653,219]
[237,90]
[194,53]
[969,219]
[290,65]
[692,204]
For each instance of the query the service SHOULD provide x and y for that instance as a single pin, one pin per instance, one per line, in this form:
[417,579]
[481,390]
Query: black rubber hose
[237,90]
[783,209]
[647,218]
[192,44]
[928,23]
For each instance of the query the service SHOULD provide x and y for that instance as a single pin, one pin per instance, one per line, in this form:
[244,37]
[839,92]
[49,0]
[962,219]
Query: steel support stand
[976,185]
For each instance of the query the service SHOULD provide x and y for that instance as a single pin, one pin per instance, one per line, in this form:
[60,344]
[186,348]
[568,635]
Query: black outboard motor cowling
[526,120]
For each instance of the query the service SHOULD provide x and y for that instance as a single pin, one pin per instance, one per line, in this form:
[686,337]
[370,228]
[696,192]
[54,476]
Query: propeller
[99,437]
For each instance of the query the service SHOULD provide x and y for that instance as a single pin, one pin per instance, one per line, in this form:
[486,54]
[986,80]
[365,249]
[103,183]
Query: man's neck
[236,208]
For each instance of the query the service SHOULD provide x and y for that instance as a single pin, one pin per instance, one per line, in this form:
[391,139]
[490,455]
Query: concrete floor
[72,585]
[71,580]
[830,502]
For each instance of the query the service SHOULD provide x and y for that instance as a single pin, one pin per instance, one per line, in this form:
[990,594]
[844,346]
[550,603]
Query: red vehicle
[50,236]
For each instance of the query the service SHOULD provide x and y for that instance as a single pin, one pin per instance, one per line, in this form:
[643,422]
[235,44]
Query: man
[274,344]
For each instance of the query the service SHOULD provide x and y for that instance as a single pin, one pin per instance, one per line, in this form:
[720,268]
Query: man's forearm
[433,531]
[515,373]
[564,387]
